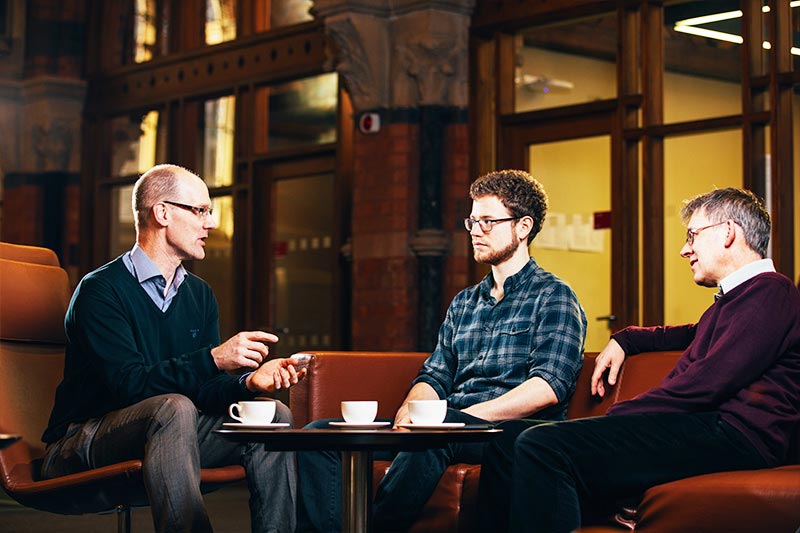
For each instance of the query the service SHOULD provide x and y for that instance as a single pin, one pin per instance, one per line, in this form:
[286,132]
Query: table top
[357,440]
[6,439]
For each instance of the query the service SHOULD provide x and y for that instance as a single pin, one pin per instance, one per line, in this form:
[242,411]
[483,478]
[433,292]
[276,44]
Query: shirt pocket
[514,337]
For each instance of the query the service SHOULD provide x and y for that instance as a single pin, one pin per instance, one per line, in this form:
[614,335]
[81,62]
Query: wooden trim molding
[260,58]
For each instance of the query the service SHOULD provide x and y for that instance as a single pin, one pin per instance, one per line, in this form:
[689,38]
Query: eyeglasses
[201,212]
[486,224]
[692,233]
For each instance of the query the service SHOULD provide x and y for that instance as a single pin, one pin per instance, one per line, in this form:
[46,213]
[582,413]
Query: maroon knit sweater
[742,359]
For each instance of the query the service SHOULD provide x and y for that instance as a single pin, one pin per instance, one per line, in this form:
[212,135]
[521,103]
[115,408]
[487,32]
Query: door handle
[607,318]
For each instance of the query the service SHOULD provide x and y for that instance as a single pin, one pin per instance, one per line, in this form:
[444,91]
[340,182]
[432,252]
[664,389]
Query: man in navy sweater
[146,376]
[730,403]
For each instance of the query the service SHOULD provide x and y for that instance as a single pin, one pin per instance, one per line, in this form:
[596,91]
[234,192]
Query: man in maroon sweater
[731,402]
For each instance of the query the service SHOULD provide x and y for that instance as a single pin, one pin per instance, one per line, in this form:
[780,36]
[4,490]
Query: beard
[495,257]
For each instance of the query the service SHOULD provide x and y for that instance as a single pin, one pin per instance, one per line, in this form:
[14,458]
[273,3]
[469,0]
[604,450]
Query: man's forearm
[523,400]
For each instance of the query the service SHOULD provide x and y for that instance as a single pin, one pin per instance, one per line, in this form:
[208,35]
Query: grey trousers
[174,442]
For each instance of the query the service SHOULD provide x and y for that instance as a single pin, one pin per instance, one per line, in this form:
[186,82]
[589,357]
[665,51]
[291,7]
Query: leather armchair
[760,500]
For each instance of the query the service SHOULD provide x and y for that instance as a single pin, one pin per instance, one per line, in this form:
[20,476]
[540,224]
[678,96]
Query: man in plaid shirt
[510,347]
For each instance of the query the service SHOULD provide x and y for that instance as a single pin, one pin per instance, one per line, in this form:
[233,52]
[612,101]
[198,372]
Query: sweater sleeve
[745,339]
[635,339]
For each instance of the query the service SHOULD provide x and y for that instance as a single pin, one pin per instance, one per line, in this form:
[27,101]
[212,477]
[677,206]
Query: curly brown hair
[519,192]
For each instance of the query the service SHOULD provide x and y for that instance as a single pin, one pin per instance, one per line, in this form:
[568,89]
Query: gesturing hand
[244,350]
[610,358]
[275,375]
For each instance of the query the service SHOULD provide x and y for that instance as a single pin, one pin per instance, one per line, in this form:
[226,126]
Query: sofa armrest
[753,500]
[337,376]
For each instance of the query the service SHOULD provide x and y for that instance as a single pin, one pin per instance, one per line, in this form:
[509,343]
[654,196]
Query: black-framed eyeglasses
[201,212]
[692,233]
[486,224]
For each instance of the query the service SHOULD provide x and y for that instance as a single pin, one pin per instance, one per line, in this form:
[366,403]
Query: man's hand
[420,391]
[244,350]
[275,375]
[610,358]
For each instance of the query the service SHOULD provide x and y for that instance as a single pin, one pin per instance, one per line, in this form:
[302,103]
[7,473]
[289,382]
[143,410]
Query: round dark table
[357,447]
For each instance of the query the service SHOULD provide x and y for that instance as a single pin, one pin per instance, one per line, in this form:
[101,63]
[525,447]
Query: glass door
[576,240]
[299,292]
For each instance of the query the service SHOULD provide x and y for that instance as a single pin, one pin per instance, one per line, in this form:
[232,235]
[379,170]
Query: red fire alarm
[369,123]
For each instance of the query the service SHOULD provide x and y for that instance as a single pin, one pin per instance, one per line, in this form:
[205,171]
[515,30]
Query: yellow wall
[576,175]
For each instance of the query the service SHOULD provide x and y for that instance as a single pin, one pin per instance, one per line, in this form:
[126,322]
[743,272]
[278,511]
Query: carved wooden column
[406,62]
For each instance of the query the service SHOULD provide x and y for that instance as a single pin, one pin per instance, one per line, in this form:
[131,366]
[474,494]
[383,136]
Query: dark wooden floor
[227,508]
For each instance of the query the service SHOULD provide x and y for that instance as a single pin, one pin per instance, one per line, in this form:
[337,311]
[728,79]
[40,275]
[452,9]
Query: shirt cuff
[243,381]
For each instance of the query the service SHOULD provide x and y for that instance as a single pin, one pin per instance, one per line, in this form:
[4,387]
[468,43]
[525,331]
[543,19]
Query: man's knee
[174,409]
[282,413]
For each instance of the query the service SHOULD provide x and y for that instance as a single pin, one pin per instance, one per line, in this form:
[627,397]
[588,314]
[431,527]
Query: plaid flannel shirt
[486,347]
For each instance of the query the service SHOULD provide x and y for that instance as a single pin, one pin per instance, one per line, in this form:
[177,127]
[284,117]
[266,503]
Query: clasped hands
[249,350]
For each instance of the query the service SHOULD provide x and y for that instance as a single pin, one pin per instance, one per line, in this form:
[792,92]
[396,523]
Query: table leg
[356,491]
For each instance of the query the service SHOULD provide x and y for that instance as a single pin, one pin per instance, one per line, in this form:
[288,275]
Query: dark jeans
[401,495]
[537,475]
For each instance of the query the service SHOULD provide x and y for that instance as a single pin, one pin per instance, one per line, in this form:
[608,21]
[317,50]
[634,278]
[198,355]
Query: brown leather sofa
[747,501]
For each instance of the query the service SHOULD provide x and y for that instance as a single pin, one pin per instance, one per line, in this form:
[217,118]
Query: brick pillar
[406,62]
[41,105]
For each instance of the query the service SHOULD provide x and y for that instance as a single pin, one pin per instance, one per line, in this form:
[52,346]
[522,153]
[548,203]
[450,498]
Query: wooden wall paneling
[781,147]
[625,278]
[753,99]
[652,164]
[483,106]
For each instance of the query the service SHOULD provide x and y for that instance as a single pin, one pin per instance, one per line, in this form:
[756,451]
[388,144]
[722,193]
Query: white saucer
[443,425]
[271,425]
[356,425]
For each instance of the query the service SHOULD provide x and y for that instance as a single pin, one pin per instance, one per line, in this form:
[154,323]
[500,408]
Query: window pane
[144,30]
[277,13]
[567,63]
[122,233]
[220,21]
[137,143]
[703,73]
[217,267]
[305,261]
[217,167]
[693,164]
[298,113]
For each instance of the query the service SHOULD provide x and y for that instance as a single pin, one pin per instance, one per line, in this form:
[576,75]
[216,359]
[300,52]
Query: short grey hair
[155,185]
[739,205]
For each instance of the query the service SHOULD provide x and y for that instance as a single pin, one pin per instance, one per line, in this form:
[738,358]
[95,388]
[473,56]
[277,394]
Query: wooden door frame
[518,131]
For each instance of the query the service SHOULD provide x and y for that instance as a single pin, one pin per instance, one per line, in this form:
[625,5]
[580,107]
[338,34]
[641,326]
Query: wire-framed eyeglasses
[486,224]
[201,212]
[692,233]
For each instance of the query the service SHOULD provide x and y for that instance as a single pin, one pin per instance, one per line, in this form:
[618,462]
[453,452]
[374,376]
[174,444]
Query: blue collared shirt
[486,347]
[150,278]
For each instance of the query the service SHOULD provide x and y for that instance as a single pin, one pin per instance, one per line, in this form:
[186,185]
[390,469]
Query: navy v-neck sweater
[121,349]
[742,360]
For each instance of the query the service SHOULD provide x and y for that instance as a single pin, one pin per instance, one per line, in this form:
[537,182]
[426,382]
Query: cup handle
[230,412]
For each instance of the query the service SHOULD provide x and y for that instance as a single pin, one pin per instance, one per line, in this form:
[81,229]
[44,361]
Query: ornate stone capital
[52,110]
[399,54]
[349,39]
[430,243]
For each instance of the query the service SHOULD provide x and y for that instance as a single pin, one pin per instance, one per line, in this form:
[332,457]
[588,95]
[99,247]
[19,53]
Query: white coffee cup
[427,412]
[359,412]
[257,412]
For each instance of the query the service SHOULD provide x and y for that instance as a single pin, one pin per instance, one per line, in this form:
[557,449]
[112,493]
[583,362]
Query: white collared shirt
[750,270]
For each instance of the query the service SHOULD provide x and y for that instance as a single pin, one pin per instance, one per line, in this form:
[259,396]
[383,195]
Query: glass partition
[295,114]
[567,63]
[220,21]
[136,142]
[218,137]
[702,55]
[217,269]
[693,164]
